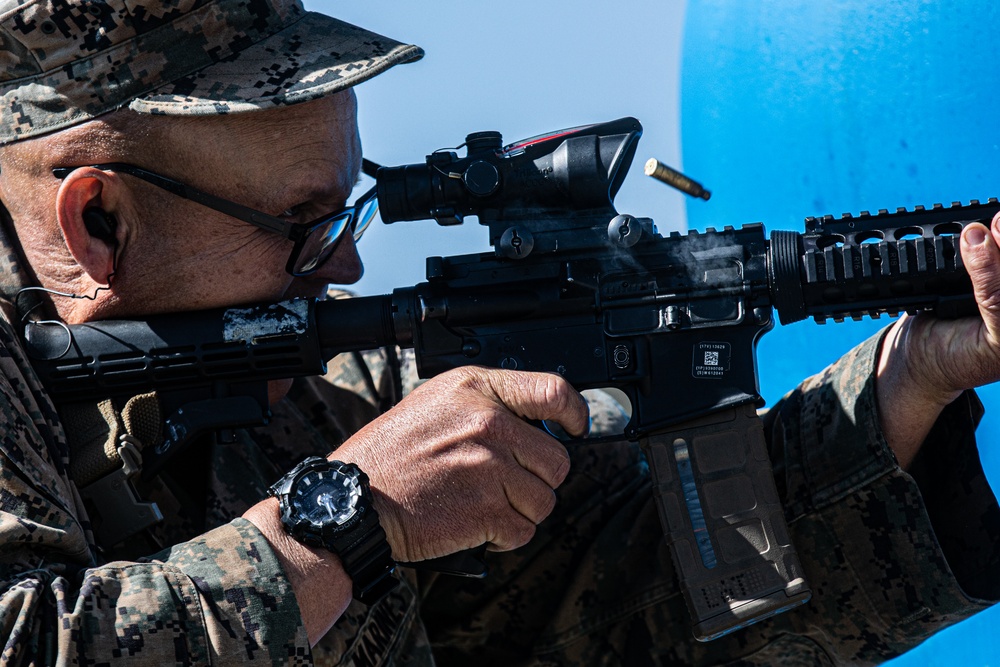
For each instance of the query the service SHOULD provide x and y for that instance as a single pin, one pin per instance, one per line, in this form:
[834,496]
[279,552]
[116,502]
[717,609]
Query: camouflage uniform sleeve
[221,598]
[888,560]
[218,599]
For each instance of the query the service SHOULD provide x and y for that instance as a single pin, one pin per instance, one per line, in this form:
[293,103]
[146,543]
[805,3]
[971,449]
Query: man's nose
[344,266]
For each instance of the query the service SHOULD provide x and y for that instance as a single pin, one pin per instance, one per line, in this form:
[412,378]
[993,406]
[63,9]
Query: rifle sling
[94,433]
[106,456]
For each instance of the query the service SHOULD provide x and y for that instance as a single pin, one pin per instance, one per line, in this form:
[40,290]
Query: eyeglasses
[314,242]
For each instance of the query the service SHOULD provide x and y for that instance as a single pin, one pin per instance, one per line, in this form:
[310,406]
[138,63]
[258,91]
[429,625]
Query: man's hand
[455,465]
[926,363]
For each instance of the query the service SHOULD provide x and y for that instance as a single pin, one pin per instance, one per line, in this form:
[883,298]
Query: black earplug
[100,224]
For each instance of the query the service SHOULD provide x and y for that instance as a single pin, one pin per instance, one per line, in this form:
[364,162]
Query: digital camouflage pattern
[62,600]
[63,62]
[887,564]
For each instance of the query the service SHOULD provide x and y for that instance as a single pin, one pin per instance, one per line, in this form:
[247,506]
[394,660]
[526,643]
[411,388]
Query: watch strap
[368,562]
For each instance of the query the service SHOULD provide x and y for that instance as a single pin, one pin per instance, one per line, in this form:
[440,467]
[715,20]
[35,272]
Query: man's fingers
[531,497]
[981,256]
[542,396]
[542,455]
[515,533]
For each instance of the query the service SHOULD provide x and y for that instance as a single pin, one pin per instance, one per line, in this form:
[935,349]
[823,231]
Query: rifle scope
[578,169]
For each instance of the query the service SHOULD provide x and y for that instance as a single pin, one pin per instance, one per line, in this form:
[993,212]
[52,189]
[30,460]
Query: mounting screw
[624,231]
[516,243]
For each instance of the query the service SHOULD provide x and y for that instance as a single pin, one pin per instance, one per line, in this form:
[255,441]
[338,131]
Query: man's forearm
[322,587]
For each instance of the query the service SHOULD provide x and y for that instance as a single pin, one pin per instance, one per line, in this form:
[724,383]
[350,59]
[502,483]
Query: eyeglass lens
[321,243]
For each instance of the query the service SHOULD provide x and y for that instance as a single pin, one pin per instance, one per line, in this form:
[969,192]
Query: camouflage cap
[65,62]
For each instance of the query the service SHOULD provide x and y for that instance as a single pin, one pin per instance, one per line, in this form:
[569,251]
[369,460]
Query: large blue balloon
[792,109]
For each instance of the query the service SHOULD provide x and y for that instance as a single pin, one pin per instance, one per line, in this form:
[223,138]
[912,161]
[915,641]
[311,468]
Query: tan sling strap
[94,432]
[105,454]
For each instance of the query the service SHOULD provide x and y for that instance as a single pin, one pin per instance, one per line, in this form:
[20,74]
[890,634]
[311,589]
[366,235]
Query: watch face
[325,496]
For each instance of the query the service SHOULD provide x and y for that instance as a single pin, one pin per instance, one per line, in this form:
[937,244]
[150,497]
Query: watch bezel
[302,527]
[360,542]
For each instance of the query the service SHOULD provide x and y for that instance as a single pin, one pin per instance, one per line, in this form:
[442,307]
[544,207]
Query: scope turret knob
[483,141]
[481,178]
[442,158]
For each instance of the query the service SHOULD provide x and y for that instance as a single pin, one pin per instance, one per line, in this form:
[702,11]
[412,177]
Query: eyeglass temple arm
[233,209]
[369,168]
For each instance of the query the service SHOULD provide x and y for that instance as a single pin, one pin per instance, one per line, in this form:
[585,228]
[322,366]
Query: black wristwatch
[328,504]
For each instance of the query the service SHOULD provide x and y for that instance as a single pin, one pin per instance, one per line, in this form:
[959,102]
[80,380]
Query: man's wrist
[908,404]
[322,587]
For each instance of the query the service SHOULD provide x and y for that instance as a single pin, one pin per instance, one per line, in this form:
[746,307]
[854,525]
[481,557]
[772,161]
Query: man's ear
[85,207]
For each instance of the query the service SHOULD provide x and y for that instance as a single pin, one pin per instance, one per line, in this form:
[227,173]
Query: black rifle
[574,288]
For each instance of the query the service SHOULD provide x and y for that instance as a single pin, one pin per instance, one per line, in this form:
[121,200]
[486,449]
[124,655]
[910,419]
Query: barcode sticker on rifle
[711,359]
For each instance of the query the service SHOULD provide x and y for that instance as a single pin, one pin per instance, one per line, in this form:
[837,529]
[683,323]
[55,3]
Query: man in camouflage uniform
[250,100]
